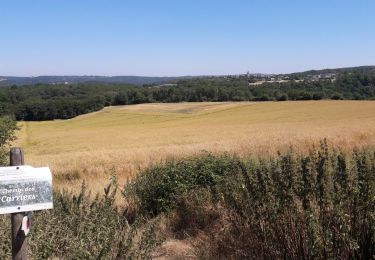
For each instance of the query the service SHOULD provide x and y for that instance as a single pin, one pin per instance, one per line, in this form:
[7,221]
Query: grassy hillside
[127,138]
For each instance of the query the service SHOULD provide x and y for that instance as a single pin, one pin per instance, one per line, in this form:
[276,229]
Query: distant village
[260,78]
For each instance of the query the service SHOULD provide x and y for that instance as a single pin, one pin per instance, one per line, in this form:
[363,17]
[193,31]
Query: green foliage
[8,126]
[80,227]
[292,206]
[5,237]
[158,188]
[319,205]
[47,102]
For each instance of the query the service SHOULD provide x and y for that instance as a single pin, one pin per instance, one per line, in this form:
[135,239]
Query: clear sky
[183,37]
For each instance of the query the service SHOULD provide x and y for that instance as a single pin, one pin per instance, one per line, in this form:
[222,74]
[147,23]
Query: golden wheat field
[125,139]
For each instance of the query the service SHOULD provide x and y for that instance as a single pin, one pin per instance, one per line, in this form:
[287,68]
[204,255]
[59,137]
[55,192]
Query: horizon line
[181,76]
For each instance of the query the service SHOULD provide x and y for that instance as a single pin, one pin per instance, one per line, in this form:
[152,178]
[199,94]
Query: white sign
[25,188]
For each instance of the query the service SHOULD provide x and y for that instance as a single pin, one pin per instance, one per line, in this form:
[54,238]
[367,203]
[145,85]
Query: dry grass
[128,138]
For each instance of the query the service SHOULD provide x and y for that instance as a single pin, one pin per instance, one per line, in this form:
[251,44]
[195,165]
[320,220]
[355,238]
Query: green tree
[8,126]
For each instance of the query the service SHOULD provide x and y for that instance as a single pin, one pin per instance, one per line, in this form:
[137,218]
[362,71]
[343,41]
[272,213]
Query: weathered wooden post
[23,189]
[19,241]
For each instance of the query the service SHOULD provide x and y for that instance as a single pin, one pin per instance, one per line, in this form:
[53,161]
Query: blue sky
[183,37]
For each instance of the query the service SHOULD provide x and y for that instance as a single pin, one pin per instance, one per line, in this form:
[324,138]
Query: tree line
[47,102]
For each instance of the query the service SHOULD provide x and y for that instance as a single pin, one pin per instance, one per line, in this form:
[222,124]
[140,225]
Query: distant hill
[141,80]
[134,80]
[362,69]
[62,98]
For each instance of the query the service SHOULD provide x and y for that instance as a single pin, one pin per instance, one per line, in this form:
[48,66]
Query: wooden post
[19,242]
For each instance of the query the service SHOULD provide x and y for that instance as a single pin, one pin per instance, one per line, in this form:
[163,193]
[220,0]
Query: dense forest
[47,102]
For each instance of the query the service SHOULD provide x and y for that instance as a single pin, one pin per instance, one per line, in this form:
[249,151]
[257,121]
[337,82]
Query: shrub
[283,97]
[7,128]
[319,205]
[80,227]
[158,188]
[291,206]
[337,97]
[318,96]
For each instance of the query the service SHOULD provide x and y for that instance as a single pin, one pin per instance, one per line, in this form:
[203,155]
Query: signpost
[23,189]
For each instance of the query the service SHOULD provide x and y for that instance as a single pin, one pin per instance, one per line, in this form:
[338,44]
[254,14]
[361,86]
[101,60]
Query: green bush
[319,205]
[158,188]
[291,206]
[8,126]
[80,227]
[5,237]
